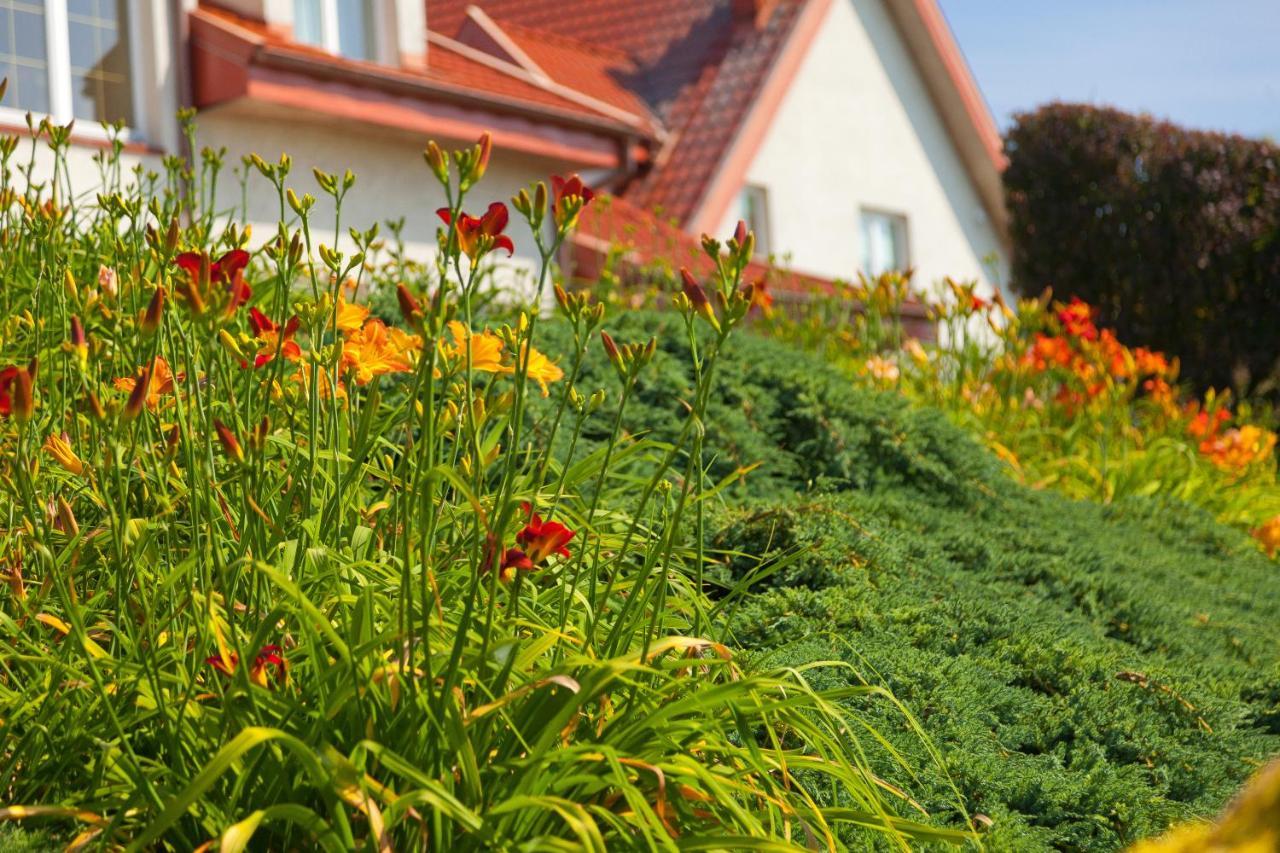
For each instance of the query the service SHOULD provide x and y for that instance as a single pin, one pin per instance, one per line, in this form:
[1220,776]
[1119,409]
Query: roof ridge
[541,81]
[562,40]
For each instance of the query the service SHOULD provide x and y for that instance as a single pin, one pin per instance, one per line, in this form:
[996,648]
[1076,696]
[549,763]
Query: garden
[312,546]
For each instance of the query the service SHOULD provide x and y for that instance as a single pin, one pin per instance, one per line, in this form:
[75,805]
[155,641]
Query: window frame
[57,37]
[902,231]
[331,34]
[764,230]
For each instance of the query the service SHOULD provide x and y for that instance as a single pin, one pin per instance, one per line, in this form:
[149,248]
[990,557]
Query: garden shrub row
[1174,234]
[1090,673]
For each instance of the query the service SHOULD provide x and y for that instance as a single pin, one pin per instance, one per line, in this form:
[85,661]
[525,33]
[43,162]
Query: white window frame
[763,230]
[57,34]
[902,229]
[330,35]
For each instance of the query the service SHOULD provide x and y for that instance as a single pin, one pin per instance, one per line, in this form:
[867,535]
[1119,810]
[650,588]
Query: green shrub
[1174,234]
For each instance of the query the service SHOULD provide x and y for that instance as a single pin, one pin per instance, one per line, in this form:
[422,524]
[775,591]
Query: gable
[858,129]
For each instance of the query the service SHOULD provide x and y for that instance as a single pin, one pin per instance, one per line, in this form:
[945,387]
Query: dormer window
[343,27]
[68,59]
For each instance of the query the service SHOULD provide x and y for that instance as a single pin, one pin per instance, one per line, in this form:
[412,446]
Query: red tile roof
[450,66]
[693,62]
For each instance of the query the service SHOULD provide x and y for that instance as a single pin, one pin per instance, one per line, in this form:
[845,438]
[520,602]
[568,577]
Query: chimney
[756,13]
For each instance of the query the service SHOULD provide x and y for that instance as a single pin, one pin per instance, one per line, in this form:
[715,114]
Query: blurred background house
[848,133]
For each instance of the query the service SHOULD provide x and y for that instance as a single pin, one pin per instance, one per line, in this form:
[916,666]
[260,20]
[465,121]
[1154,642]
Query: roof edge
[728,177]
[958,100]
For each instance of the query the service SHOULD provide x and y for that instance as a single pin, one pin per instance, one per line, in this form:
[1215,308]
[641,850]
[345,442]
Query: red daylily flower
[227,271]
[472,229]
[268,656]
[569,196]
[540,539]
[269,335]
[1077,318]
[16,397]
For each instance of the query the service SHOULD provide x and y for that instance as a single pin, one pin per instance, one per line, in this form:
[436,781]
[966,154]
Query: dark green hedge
[1174,234]
[1047,647]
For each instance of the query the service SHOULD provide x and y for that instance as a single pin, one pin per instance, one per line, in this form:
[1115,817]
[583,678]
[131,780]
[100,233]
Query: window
[344,27]
[754,210]
[68,59]
[884,242]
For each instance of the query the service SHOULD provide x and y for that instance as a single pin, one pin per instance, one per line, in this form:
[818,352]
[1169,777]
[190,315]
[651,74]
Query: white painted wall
[858,129]
[391,179]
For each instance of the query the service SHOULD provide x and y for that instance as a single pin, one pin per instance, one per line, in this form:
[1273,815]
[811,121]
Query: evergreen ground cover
[1091,673]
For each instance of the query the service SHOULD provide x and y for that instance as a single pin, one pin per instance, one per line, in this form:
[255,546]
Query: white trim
[329,27]
[508,44]
[57,39]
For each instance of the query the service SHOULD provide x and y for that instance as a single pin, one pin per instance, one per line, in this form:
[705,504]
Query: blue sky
[1212,64]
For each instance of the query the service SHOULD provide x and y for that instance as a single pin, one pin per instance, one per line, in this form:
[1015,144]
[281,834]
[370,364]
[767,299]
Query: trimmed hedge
[1091,674]
[1174,234]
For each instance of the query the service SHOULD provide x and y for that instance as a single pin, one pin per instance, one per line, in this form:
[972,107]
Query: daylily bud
[611,349]
[171,441]
[171,236]
[562,298]
[483,150]
[258,438]
[67,518]
[437,162]
[697,297]
[410,308]
[95,407]
[228,440]
[79,343]
[740,233]
[711,246]
[229,342]
[69,282]
[24,404]
[138,396]
[155,313]
[539,203]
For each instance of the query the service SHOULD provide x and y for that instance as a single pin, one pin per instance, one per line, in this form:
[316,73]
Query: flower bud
[79,342]
[228,440]
[437,162]
[138,396]
[154,314]
[24,403]
[410,308]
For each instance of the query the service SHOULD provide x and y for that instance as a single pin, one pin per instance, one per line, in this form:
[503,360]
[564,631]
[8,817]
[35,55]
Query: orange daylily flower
[160,381]
[376,350]
[486,349]
[1268,534]
[543,370]
[472,229]
[351,316]
[59,447]
[1240,447]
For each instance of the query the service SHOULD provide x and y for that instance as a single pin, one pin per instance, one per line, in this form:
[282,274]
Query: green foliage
[1091,673]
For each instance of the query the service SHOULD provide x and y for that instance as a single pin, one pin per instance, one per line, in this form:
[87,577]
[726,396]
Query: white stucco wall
[391,179]
[857,129]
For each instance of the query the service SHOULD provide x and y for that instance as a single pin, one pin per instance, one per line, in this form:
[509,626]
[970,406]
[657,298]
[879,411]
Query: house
[848,133]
